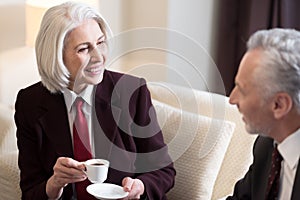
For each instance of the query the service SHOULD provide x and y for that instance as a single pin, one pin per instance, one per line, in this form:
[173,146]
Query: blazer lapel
[296,191]
[261,184]
[107,113]
[264,155]
[55,123]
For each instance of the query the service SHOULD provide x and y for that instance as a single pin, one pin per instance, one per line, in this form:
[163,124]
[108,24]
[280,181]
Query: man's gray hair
[280,69]
[57,22]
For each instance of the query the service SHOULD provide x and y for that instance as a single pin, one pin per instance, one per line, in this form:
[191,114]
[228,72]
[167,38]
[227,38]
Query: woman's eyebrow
[102,36]
[87,43]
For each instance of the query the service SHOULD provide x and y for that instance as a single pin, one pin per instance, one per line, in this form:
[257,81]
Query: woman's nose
[96,55]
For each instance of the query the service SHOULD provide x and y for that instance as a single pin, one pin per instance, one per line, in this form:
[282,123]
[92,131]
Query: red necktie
[82,147]
[274,176]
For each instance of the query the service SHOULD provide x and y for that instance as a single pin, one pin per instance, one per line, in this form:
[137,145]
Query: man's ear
[282,104]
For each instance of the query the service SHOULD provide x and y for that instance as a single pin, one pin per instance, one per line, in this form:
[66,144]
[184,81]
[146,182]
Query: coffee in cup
[97,170]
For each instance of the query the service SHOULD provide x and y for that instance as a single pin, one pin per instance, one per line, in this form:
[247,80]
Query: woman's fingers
[127,184]
[135,187]
[68,170]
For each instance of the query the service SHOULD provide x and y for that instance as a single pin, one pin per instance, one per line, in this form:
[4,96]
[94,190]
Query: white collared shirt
[289,149]
[87,96]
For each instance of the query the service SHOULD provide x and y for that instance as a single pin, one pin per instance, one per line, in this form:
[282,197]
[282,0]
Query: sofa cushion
[197,145]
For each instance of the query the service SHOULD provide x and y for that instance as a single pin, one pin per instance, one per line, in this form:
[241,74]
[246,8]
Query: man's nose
[232,97]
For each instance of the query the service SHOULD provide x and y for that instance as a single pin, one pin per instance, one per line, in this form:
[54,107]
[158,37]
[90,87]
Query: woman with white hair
[72,49]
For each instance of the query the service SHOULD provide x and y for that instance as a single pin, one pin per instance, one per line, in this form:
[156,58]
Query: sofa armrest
[8,140]
[238,155]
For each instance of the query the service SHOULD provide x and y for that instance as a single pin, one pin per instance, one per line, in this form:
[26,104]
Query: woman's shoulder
[119,75]
[36,89]
[121,84]
[33,94]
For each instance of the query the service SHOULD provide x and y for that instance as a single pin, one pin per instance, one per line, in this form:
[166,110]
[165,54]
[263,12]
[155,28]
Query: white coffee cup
[96,170]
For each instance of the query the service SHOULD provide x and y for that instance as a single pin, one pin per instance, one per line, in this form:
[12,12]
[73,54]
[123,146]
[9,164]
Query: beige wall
[128,14]
[129,20]
[12,24]
[182,24]
[195,23]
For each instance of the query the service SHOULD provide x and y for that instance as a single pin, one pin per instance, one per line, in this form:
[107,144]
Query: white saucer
[106,191]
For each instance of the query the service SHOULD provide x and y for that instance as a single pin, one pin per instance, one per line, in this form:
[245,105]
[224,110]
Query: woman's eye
[101,44]
[83,50]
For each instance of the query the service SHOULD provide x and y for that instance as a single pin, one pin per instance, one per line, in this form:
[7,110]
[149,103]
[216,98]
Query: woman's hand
[66,170]
[135,187]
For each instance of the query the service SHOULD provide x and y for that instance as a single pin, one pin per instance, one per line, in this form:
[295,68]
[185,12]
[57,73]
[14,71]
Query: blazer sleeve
[33,182]
[152,154]
[39,143]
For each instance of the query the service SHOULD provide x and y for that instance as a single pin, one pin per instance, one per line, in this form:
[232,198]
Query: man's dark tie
[82,147]
[274,176]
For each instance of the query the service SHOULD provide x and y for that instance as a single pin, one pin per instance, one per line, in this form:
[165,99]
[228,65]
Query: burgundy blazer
[126,133]
[254,185]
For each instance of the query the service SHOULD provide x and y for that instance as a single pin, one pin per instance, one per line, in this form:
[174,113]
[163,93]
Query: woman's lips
[94,70]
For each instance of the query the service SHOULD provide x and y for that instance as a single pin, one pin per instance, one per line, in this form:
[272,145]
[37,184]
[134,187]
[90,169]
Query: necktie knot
[276,156]
[80,120]
[79,103]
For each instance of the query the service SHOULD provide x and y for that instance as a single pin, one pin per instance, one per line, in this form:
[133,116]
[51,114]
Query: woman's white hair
[57,22]
[280,69]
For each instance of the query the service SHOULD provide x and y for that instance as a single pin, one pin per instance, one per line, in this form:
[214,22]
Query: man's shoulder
[263,147]
[263,141]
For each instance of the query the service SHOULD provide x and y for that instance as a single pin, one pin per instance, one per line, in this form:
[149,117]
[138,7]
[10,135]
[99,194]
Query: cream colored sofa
[205,135]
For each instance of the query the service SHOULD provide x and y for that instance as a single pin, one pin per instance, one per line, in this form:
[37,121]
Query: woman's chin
[94,80]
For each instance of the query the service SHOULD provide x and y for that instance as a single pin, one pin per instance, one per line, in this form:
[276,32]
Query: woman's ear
[283,103]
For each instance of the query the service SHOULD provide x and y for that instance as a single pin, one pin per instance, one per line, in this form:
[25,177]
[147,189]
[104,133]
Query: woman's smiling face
[85,54]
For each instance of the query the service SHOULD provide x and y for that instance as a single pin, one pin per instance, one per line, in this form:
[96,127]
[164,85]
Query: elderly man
[267,94]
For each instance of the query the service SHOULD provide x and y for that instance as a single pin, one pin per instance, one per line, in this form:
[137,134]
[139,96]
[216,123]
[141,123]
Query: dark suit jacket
[125,125]
[254,184]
